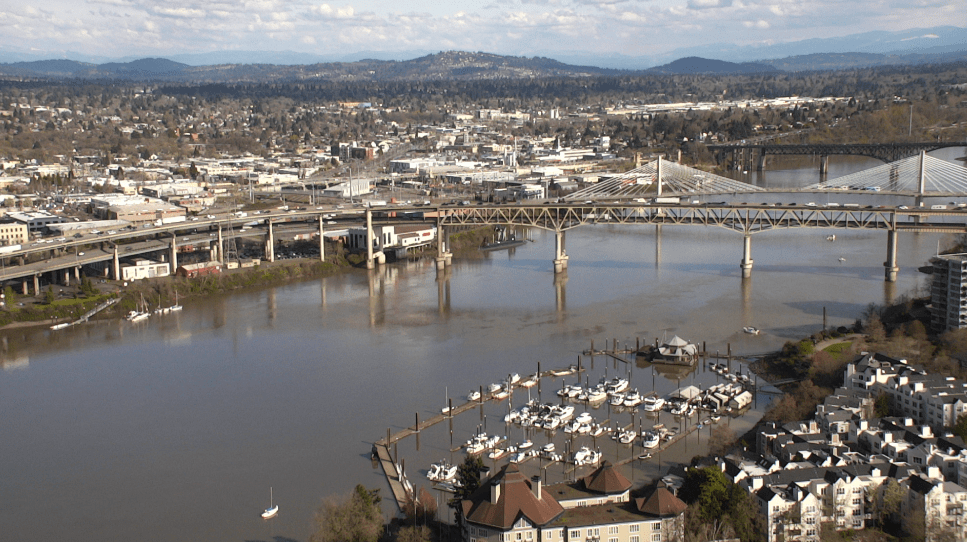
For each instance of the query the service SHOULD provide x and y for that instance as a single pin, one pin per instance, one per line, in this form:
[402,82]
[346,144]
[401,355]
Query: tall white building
[948,293]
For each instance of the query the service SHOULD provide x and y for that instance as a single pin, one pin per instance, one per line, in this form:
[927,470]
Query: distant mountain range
[883,47]
[450,65]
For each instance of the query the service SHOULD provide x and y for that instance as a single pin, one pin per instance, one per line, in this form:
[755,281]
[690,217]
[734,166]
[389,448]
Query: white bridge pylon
[917,174]
[676,179]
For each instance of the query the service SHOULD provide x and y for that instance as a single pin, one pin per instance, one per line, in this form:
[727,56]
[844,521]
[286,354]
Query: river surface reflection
[175,428]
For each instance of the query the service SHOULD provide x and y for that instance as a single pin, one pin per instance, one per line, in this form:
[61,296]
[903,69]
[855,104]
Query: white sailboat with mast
[273,508]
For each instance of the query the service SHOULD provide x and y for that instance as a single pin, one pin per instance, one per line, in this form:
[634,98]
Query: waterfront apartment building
[932,400]
[509,507]
[948,292]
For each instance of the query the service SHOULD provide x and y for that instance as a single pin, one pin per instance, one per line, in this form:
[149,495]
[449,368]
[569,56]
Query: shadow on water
[832,307]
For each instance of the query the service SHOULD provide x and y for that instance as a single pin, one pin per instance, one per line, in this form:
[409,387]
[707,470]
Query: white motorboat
[617,384]
[596,395]
[584,429]
[525,445]
[627,437]
[632,399]
[493,388]
[514,378]
[548,448]
[584,417]
[137,316]
[652,403]
[617,399]
[442,472]
[644,457]
[496,453]
[474,395]
[273,508]
[565,412]
[597,430]
[651,439]
[571,426]
[751,330]
[530,382]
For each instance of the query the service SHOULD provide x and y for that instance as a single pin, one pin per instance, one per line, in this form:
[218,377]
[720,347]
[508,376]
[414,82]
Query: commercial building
[195,270]
[135,209]
[12,233]
[36,221]
[393,237]
[144,269]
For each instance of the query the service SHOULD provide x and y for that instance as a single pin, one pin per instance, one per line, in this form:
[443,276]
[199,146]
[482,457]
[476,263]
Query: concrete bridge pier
[761,163]
[824,164]
[270,244]
[174,253]
[322,240]
[369,239]
[560,255]
[890,263]
[67,277]
[36,284]
[221,244]
[746,263]
[25,289]
[443,256]
[117,265]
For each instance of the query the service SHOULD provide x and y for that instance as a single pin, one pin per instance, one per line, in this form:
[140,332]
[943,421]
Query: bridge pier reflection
[443,290]
[746,292]
[560,292]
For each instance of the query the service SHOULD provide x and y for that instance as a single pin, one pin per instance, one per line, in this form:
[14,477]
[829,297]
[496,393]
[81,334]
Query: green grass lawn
[838,348]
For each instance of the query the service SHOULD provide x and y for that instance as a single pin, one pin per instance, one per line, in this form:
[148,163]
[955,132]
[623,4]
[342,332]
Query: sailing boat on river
[273,508]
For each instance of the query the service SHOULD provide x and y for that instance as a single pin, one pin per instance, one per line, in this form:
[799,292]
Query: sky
[122,28]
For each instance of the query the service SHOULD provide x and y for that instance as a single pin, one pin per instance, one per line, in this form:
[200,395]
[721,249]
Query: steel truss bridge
[744,219]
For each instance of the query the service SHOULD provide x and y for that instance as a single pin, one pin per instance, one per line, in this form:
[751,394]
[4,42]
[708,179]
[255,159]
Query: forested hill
[696,65]
[445,66]
[452,65]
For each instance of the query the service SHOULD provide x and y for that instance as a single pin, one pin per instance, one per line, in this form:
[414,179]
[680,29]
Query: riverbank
[70,302]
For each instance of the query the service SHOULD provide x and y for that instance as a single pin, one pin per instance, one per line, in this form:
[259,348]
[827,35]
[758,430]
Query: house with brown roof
[508,507]
[511,508]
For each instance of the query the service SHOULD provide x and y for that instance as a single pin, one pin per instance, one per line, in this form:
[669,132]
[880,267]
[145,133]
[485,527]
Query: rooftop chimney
[494,491]
[536,486]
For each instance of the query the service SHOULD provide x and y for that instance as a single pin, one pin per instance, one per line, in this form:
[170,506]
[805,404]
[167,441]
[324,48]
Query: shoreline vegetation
[47,309]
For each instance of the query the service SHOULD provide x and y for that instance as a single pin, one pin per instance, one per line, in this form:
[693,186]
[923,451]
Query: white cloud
[760,24]
[327,11]
[178,12]
[709,4]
